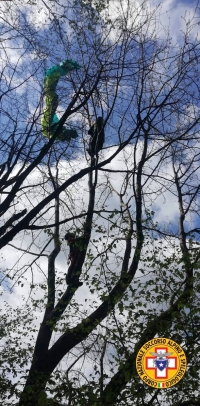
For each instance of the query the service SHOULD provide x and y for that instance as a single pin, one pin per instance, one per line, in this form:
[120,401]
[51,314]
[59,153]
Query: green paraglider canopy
[50,120]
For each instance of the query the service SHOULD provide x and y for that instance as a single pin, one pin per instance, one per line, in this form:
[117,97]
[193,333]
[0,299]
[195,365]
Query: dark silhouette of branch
[10,222]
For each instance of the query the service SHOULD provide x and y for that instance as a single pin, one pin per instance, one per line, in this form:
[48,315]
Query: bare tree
[97,220]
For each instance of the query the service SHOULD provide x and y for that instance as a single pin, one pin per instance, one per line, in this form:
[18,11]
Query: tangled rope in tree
[50,120]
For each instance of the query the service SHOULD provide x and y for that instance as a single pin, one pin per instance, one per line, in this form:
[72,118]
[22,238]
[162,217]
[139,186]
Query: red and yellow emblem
[161,363]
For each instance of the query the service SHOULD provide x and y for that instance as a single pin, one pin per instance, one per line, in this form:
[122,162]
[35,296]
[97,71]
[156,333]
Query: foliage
[133,207]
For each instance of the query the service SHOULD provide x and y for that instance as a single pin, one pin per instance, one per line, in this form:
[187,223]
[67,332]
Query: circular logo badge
[161,363]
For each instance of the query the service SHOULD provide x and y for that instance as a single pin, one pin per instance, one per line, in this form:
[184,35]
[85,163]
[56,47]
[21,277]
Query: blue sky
[53,52]
[22,103]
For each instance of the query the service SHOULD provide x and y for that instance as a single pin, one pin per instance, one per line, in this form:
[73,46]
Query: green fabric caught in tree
[50,120]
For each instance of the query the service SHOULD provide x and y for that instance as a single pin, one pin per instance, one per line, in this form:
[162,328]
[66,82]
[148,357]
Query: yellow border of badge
[147,376]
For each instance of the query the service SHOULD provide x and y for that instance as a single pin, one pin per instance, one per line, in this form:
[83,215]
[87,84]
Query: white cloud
[82,308]
[161,18]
